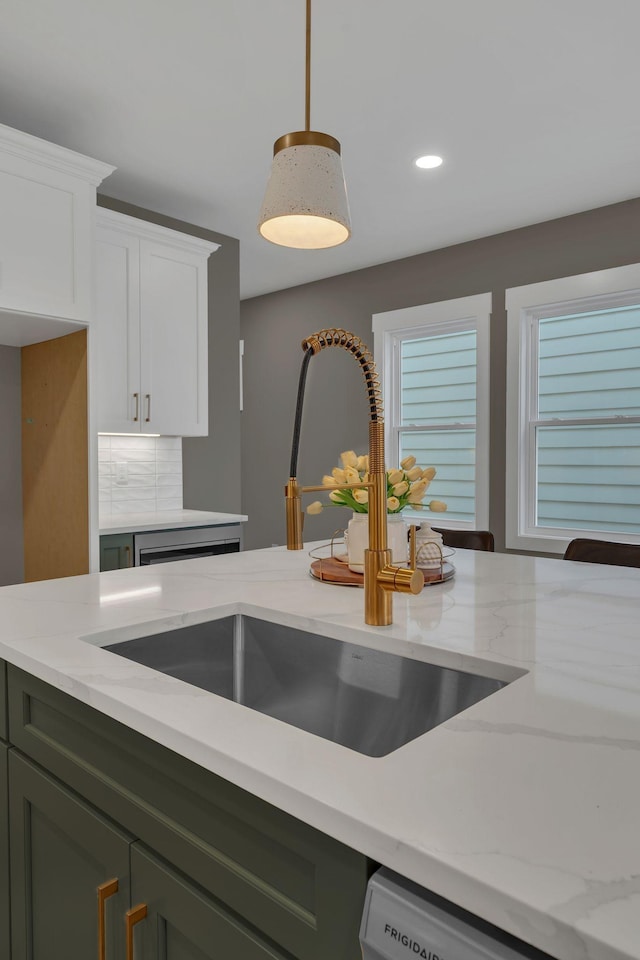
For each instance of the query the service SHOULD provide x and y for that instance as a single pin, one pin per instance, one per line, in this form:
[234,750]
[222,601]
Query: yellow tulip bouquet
[406,486]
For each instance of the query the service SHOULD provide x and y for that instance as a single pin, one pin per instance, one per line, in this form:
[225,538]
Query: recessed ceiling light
[427,163]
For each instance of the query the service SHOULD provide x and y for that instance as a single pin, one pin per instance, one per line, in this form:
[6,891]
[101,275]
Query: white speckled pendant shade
[305,203]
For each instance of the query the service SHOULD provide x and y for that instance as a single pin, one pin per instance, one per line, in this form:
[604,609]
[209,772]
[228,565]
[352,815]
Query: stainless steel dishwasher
[402,920]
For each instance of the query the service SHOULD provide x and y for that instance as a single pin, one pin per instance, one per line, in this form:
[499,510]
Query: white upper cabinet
[151,320]
[47,199]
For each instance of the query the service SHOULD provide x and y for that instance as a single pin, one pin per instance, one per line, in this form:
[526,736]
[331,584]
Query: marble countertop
[166,520]
[524,809]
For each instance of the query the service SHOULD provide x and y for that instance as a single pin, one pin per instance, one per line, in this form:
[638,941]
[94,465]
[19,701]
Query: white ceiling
[532,103]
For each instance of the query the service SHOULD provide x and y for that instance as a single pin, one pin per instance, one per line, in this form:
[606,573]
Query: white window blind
[573,448]
[588,444]
[434,363]
[437,423]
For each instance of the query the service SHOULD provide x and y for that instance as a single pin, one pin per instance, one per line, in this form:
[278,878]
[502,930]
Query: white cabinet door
[117,331]
[173,323]
[47,199]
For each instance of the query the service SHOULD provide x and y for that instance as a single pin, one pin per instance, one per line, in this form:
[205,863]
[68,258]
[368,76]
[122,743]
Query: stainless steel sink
[366,700]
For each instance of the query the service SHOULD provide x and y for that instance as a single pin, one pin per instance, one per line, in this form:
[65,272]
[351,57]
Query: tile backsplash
[139,474]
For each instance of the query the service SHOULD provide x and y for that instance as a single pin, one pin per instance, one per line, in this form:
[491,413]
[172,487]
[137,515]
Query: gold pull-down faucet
[381,577]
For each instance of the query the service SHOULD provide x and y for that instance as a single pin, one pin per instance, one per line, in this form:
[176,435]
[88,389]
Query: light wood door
[173,321]
[55,484]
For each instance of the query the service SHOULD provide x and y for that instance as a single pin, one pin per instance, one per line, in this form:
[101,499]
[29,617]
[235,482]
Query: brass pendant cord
[307,97]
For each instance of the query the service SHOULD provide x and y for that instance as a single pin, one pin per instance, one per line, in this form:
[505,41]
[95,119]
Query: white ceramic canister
[428,547]
[356,539]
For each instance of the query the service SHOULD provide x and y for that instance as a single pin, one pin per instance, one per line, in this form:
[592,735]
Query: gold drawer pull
[131,917]
[105,890]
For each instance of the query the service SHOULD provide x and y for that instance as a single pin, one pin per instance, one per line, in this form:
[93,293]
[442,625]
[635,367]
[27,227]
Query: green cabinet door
[4,854]
[62,851]
[4,725]
[116,551]
[183,923]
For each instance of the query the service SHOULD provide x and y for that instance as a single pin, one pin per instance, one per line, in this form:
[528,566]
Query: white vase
[357,539]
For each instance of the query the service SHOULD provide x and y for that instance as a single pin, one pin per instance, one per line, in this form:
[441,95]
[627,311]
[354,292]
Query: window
[434,364]
[573,410]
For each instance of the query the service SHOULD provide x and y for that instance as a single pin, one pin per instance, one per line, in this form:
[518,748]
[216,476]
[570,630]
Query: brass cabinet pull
[147,397]
[127,551]
[105,890]
[137,399]
[131,917]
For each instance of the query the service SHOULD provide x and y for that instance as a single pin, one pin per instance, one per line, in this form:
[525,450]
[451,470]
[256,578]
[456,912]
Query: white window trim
[618,286]
[463,313]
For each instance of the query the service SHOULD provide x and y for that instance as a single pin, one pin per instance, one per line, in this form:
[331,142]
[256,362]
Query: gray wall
[11,542]
[211,465]
[335,413]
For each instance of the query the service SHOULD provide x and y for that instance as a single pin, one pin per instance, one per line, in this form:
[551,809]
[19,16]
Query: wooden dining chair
[604,551]
[467,539]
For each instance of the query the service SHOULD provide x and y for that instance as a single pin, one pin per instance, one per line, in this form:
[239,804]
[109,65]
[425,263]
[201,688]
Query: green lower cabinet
[116,551]
[62,851]
[224,875]
[5,929]
[183,923]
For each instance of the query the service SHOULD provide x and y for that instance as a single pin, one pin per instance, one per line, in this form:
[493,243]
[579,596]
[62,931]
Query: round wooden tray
[333,570]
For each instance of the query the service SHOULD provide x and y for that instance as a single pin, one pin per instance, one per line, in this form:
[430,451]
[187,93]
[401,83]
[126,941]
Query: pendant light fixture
[305,204]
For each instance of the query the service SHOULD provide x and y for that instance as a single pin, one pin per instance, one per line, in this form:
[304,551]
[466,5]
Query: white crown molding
[26,147]
[152,231]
